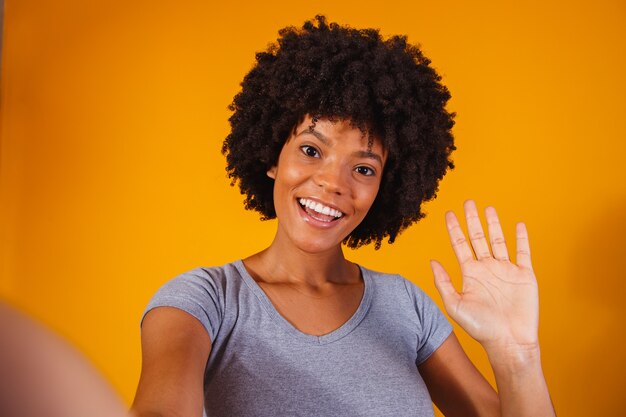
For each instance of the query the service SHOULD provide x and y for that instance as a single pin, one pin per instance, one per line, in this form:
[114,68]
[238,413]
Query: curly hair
[386,88]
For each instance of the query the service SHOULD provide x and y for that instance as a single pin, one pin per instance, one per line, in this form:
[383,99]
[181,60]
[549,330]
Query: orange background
[112,181]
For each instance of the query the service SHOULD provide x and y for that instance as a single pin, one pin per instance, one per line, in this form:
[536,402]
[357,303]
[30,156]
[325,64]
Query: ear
[272,172]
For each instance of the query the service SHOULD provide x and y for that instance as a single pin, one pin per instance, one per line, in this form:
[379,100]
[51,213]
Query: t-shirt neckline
[336,334]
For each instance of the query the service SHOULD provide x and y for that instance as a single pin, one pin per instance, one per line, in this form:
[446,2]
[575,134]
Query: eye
[367,171]
[309,150]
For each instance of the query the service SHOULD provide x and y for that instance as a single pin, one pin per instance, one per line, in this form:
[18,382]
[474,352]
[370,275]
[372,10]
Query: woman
[341,136]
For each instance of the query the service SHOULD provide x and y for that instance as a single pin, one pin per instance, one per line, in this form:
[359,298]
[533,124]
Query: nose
[332,179]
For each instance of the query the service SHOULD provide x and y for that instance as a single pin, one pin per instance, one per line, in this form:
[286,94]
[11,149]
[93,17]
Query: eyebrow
[317,134]
[371,155]
[326,141]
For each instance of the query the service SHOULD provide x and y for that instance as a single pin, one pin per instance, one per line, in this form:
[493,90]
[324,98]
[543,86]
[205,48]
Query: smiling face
[325,182]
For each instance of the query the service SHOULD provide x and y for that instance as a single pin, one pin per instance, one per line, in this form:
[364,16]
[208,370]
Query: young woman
[341,136]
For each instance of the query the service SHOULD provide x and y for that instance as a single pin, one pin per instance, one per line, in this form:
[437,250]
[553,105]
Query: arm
[455,385]
[175,350]
[43,375]
[498,307]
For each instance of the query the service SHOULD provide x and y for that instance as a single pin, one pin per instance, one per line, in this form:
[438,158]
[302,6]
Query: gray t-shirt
[260,365]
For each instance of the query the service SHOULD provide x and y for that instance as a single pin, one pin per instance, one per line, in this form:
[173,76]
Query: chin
[320,244]
[318,247]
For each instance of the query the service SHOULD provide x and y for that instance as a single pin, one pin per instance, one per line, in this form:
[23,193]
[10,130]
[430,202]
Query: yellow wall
[112,182]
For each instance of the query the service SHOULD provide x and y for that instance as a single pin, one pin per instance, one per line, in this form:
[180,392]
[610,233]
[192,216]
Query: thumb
[446,290]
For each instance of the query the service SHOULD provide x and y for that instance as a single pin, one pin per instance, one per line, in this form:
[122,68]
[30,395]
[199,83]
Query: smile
[319,211]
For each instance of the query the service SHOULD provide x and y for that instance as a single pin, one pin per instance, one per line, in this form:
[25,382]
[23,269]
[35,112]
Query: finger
[496,237]
[444,286]
[475,231]
[460,245]
[523,246]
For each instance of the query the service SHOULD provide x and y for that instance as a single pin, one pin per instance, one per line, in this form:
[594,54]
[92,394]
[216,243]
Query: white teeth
[320,208]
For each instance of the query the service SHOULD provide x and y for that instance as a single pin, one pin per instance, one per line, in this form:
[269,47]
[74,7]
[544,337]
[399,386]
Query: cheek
[291,176]
[286,180]
[366,199]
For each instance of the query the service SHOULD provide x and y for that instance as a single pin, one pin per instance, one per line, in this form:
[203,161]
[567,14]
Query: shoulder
[200,292]
[402,293]
[382,278]
[395,283]
[201,280]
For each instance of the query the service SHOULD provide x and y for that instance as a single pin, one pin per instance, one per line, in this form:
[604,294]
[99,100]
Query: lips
[316,206]
[319,211]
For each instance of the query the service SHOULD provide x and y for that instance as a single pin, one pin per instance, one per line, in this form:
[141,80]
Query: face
[326,180]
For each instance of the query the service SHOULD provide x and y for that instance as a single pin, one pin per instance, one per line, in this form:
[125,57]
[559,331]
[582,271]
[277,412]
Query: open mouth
[319,211]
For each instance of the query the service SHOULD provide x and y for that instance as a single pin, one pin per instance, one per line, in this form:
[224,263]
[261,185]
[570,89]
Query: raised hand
[498,304]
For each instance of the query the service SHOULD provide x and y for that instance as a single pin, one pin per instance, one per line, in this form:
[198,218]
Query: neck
[285,263]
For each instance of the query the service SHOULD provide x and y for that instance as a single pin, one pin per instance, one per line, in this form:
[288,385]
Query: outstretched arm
[498,306]
[175,349]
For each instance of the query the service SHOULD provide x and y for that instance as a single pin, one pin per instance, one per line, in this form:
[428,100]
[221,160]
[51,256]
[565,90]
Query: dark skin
[312,309]
[306,276]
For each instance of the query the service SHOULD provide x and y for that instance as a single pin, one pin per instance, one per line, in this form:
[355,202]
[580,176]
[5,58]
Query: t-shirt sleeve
[196,293]
[435,327]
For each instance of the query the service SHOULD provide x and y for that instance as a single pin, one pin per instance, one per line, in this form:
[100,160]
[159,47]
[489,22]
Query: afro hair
[385,87]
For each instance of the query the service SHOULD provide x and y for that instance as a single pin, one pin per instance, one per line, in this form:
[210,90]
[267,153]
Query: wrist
[522,387]
[514,357]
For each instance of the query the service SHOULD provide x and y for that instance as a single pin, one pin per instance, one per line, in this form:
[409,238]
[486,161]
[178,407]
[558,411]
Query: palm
[499,301]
